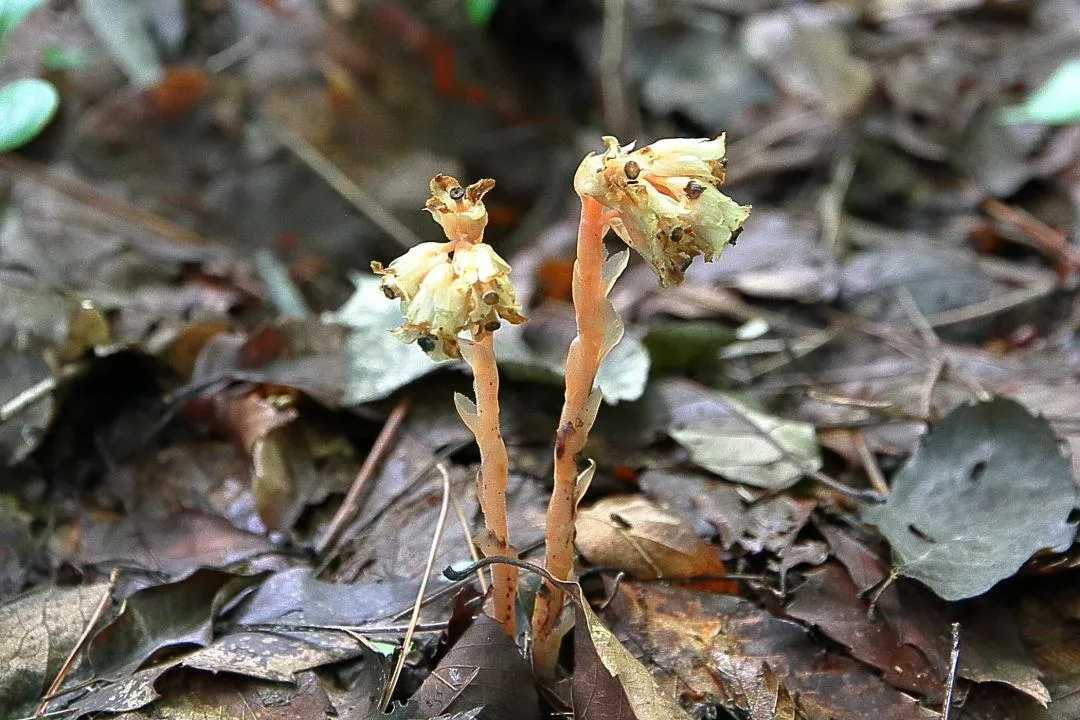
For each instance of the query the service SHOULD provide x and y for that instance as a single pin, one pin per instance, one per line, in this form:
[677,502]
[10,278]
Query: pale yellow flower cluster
[665,200]
[450,287]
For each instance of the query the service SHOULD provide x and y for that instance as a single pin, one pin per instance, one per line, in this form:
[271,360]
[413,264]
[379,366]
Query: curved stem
[491,482]
[575,421]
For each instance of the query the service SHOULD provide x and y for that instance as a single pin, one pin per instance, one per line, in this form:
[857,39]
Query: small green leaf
[26,107]
[59,58]
[12,13]
[987,490]
[1057,102]
[479,12]
[686,344]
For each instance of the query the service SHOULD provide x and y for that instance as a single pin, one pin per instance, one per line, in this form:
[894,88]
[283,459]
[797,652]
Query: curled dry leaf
[634,535]
[160,617]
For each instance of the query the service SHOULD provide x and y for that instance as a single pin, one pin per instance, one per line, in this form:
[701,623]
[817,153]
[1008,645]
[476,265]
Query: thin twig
[344,185]
[870,465]
[351,503]
[1042,237]
[950,684]
[84,193]
[439,525]
[918,319]
[612,92]
[987,308]
[365,629]
[473,552]
[39,391]
[879,590]
[69,661]
[831,203]
[932,343]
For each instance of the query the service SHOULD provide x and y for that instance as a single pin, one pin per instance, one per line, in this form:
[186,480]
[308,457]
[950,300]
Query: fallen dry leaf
[830,601]
[37,631]
[987,490]
[483,669]
[724,646]
[634,535]
[609,683]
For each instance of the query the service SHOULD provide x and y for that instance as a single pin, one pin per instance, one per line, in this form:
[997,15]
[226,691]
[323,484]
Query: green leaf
[378,363]
[479,12]
[987,490]
[686,344]
[1057,102]
[12,13]
[728,437]
[26,107]
[60,58]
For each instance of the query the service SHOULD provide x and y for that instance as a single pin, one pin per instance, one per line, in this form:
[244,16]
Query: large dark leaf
[988,489]
[296,597]
[180,613]
[483,669]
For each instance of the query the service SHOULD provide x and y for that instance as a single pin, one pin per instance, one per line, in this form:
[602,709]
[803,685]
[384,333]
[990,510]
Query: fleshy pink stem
[582,361]
[494,470]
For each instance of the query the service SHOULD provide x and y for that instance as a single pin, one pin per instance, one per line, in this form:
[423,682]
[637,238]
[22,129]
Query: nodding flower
[449,287]
[665,200]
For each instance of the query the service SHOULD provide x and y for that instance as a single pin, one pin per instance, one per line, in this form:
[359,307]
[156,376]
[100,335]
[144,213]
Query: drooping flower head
[449,287]
[666,200]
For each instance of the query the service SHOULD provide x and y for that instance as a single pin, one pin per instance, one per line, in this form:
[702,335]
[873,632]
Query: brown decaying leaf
[863,564]
[634,535]
[725,646]
[194,696]
[608,682]
[1054,643]
[159,617]
[187,541]
[275,655]
[131,693]
[992,652]
[483,669]
[769,523]
[829,600]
